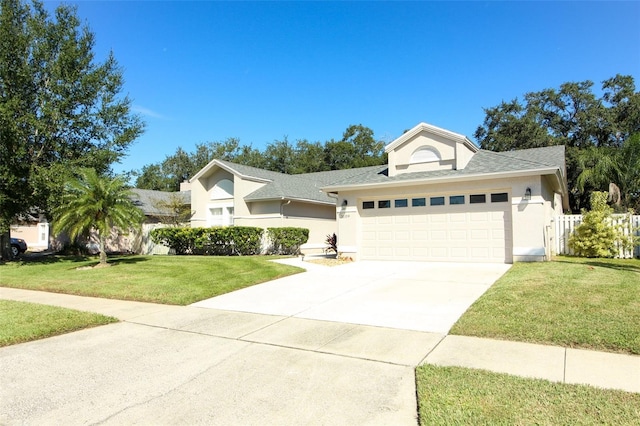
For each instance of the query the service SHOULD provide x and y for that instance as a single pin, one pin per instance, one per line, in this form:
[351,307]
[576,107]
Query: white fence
[566,224]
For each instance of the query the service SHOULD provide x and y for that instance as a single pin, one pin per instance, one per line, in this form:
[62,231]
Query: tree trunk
[103,252]
[5,246]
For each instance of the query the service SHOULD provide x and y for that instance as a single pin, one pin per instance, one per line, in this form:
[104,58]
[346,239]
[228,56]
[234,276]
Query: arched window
[223,189]
[425,154]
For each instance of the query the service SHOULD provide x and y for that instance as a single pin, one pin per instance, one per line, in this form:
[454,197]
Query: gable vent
[425,154]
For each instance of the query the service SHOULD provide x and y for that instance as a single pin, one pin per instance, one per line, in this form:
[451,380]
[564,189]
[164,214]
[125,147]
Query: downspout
[282,210]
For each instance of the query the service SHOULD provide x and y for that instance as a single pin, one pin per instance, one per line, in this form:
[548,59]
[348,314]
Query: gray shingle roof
[482,162]
[308,186]
[305,186]
[147,200]
[252,171]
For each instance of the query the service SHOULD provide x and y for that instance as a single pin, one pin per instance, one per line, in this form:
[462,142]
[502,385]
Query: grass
[455,396]
[177,280]
[571,302]
[22,322]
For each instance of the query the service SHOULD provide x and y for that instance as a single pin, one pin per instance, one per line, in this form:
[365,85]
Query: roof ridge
[257,169]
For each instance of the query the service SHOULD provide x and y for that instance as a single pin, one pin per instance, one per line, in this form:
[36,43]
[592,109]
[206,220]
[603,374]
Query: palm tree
[615,168]
[96,202]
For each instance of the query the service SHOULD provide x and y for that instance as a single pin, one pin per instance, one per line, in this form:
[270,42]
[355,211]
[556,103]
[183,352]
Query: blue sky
[259,71]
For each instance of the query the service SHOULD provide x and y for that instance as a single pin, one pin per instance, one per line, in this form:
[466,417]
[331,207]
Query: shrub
[217,241]
[181,240]
[332,243]
[287,240]
[596,236]
[246,240]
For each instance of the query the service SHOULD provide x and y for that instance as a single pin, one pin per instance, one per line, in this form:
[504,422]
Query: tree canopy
[60,108]
[572,116]
[356,148]
[97,202]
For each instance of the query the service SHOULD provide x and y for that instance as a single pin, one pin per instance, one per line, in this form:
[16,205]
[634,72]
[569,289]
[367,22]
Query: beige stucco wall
[36,235]
[316,211]
[453,154]
[400,157]
[198,202]
[263,208]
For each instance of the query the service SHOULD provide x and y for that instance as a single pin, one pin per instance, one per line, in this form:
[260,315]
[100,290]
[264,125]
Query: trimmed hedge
[230,240]
[287,240]
[220,241]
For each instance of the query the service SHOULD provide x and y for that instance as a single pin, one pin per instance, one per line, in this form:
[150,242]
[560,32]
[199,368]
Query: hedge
[287,240]
[221,241]
[230,240]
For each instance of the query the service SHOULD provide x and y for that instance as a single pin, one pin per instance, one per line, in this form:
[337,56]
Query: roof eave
[443,179]
[302,200]
[229,169]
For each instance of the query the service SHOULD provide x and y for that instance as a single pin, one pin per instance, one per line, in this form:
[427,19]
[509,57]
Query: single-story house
[439,198]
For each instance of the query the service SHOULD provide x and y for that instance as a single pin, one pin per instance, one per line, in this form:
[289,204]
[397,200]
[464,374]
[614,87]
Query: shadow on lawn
[50,258]
[631,265]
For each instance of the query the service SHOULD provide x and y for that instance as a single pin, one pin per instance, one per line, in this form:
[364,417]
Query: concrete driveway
[405,295]
[331,346]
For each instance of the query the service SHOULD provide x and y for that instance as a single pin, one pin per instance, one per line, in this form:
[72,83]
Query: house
[225,193]
[159,210]
[33,228]
[439,198]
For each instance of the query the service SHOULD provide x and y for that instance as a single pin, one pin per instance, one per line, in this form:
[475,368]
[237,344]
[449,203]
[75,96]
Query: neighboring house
[156,204]
[34,229]
[440,198]
[153,205]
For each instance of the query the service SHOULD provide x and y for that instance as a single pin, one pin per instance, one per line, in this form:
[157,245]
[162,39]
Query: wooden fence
[566,224]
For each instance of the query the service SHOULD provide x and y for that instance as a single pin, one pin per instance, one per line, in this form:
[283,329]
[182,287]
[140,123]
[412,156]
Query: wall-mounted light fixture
[344,203]
[527,194]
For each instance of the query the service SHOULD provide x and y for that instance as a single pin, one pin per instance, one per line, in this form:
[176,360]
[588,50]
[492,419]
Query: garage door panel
[419,235]
[402,252]
[459,252]
[458,234]
[479,216]
[479,234]
[437,218]
[458,217]
[401,219]
[438,235]
[472,232]
[480,252]
[404,236]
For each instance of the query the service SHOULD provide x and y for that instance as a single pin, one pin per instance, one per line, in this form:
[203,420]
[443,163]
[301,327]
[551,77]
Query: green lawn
[178,280]
[460,396]
[571,302]
[22,322]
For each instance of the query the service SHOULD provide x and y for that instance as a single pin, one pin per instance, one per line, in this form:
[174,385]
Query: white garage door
[452,227]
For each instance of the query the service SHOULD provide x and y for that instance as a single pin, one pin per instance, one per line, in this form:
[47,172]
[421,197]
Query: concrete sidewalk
[387,345]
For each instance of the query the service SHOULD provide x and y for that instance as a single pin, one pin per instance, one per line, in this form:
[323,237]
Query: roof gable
[427,148]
